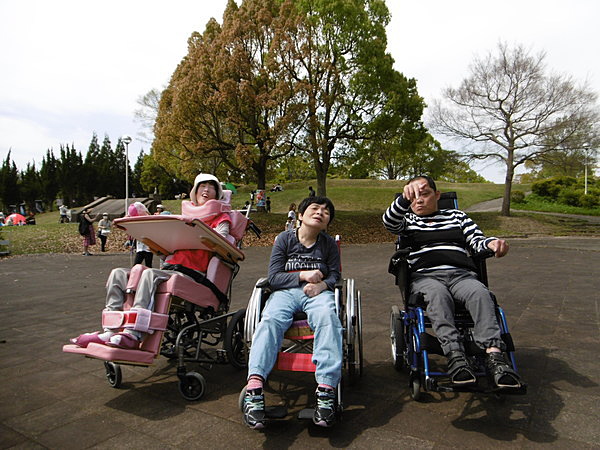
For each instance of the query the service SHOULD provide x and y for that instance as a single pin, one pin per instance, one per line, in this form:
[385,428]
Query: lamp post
[585,173]
[126,140]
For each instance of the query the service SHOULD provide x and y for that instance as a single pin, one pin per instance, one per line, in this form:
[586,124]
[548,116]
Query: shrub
[591,200]
[570,197]
[517,197]
[551,187]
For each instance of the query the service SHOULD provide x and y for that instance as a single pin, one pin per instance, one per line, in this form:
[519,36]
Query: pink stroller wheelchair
[186,313]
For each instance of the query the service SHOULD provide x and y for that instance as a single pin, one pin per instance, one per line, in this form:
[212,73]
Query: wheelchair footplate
[306,414]
[486,389]
[276,412]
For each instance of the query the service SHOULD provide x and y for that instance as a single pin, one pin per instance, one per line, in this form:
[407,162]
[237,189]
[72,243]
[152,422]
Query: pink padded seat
[218,272]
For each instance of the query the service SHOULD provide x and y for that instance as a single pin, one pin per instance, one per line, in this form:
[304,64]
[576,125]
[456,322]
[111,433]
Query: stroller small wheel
[415,386]
[113,374]
[192,386]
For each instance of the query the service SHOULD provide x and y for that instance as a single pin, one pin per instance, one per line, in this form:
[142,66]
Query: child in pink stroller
[189,294]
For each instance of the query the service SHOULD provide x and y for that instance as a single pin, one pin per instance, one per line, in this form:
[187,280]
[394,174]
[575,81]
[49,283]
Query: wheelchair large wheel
[192,386]
[397,339]
[353,330]
[359,332]
[234,340]
[113,374]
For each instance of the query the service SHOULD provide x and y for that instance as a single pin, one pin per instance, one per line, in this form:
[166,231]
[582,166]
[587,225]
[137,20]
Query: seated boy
[303,271]
[440,243]
[206,187]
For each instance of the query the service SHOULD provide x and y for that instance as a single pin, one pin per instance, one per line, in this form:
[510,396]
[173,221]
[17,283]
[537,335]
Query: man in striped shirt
[441,269]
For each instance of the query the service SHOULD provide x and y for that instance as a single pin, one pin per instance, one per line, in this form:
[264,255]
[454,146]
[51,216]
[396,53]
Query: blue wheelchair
[413,346]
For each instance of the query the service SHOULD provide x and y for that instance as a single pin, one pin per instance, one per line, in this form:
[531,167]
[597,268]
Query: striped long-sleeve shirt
[442,240]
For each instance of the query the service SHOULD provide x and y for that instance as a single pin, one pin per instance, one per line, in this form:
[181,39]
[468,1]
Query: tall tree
[49,179]
[30,186]
[70,174]
[226,107]
[9,182]
[146,114]
[336,51]
[136,175]
[509,105]
[95,169]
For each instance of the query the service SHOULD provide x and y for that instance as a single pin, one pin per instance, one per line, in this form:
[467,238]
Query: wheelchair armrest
[263,283]
[479,260]
[398,260]
[483,254]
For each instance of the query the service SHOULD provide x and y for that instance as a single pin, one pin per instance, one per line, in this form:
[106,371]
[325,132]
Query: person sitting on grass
[440,242]
[206,187]
[303,270]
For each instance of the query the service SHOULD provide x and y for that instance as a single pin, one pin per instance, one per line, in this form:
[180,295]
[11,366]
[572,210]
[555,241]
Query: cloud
[72,67]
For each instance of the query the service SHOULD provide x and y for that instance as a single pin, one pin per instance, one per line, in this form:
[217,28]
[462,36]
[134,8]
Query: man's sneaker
[254,409]
[326,407]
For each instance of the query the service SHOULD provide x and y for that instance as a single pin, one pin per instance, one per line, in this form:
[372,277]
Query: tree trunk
[321,182]
[510,170]
[261,174]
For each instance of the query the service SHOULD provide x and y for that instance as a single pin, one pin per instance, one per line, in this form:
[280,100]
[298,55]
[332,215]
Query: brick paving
[549,289]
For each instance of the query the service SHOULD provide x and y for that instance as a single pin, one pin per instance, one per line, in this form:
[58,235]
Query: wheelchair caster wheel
[113,374]
[192,386]
[415,386]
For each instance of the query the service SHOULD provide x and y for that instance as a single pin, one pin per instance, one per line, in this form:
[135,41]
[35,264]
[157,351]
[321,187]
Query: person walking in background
[104,227]
[290,224]
[268,204]
[311,192]
[86,229]
[142,251]
[63,210]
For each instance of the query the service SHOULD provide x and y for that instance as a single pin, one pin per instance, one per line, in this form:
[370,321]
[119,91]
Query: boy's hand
[413,190]
[311,276]
[314,289]
[499,247]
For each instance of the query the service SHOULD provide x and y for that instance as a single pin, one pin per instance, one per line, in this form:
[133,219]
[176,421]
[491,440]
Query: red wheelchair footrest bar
[296,362]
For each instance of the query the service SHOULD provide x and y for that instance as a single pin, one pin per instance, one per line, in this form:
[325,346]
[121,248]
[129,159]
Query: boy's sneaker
[254,409]
[326,407]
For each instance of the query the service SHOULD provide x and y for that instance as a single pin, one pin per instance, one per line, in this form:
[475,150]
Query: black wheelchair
[413,346]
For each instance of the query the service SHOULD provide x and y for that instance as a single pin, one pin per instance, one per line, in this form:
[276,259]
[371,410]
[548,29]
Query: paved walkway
[49,399]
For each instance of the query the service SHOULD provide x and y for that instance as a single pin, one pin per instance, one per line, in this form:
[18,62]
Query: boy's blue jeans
[277,317]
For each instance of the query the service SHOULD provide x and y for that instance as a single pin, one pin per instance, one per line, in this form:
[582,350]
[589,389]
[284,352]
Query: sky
[70,68]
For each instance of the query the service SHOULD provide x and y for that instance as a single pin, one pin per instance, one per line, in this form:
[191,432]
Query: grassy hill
[359,206]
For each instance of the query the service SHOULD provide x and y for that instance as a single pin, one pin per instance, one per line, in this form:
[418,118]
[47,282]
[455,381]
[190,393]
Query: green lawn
[359,206]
